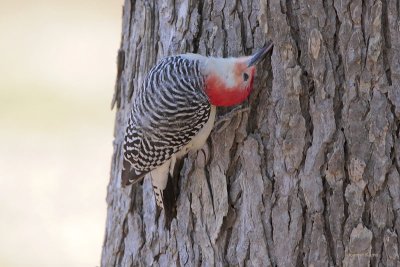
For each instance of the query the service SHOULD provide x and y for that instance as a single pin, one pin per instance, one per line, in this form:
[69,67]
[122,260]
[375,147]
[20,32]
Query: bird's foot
[223,121]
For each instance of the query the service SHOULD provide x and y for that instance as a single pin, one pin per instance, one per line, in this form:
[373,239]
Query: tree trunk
[308,175]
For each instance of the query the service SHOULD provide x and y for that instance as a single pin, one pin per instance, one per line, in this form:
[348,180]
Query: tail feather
[171,191]
[165,180]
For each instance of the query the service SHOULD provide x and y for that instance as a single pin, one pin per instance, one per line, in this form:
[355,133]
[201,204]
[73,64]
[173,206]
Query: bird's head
[229,81]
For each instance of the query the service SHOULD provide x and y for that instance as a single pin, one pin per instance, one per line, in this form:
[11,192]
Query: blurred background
[57,73]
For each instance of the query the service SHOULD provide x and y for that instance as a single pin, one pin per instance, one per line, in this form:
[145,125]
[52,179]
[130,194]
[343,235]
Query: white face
[232,71]
[224,68]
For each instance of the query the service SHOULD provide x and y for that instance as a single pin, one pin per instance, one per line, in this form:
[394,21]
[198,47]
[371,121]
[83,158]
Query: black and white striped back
[168,111]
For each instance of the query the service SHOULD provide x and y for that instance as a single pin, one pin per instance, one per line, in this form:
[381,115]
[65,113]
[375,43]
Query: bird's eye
[245,76]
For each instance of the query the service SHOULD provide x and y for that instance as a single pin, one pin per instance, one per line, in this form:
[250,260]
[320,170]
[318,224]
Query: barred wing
[168,111]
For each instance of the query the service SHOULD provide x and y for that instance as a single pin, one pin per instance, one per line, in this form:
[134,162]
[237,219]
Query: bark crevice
[307,174]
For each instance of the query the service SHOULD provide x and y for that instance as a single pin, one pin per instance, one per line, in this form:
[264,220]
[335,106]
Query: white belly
[160,174]
[201,137]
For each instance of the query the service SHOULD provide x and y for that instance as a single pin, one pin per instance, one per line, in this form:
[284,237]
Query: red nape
[220,95]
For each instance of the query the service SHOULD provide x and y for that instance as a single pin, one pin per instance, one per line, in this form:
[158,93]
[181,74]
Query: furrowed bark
[308,174]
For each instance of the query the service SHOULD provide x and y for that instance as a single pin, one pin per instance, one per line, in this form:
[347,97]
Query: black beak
[260,54]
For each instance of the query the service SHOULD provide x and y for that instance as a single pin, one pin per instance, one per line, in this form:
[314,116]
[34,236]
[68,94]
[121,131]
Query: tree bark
[308,175]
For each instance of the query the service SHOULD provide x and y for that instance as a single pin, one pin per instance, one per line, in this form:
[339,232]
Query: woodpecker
[173,112]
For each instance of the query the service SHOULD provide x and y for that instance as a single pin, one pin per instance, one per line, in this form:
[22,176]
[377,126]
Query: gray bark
[309,175]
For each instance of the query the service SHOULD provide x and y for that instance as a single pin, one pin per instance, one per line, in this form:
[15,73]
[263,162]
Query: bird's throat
[220,95]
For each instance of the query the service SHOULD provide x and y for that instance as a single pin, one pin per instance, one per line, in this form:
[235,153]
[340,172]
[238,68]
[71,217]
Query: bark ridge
[308,174]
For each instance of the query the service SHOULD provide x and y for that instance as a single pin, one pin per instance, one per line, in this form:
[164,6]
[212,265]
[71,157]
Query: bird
[173,113]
